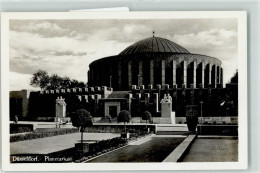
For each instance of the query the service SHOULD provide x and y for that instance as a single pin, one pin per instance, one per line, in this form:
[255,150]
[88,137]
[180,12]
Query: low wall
[210,120]
[218,130]
[182,120]
[117,128]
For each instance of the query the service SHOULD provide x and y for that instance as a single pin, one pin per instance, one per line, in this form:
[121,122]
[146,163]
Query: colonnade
[187,73]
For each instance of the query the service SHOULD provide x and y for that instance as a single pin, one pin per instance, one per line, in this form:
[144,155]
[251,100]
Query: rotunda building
[153,61]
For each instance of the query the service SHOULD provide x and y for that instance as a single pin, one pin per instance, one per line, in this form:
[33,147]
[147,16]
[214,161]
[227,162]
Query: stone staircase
[178,129]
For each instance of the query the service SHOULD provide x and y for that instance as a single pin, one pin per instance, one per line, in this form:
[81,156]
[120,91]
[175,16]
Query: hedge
[36,135]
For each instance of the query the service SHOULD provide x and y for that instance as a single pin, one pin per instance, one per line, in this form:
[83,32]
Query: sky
[67,47]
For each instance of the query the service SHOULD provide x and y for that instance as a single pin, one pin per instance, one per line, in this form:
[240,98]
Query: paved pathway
[55,143]
[213,150]
[152,149]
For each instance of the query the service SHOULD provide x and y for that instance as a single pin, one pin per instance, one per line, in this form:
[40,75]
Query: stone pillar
[151,72]
[129,101]
[79,98]
[194,73]
[163,73]
[166,105]
[166,109]
[119,74]
[192,94]
[97,88]
[166,87]
[150,89]
[60,108]
[138,102]
[91,89]
[85,98]
[96,107]
[129,74]
[142,90]
[141,72]
[185,73]
[158,87]
[155,100]
[202,74]
[174,72]
[146,100]
[174,97]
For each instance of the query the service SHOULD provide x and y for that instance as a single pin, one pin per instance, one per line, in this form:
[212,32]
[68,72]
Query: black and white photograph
[166,89]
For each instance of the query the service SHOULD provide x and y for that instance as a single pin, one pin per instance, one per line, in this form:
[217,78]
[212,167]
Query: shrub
[20,130]
[147,116]
[125,117]
[81,119]
[36,135]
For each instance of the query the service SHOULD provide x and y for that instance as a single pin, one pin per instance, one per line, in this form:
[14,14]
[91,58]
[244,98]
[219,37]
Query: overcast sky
[67,47]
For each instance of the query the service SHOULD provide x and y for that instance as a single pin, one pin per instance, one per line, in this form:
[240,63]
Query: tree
[55,82]
[125,117]
[66,82]
[44,81]
[82,119]
[40,79]
[234,78]
[147,116]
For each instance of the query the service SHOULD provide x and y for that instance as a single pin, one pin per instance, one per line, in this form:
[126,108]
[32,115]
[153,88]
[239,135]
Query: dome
[154,44]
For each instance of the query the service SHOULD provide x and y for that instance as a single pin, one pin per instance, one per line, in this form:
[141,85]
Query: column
[155,100]
[129,74]
[202,74]
[174,72]
[119,74]
[210,68]
[185,73]
[216,76]
[221,81]
[163,73]
[141,72]
[194,73]
[151,72]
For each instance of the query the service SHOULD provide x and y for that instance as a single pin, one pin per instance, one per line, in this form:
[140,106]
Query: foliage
[234,78]
[44,81]
[105,146]
[36,135]
[20,130]
[124,116]
[147,116]
[81,118]
[40,79]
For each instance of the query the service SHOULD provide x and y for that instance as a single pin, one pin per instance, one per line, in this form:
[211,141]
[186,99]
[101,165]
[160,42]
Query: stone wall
[32,105]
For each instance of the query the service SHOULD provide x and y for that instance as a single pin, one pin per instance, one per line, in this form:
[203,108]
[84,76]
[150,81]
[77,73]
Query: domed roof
[154,44]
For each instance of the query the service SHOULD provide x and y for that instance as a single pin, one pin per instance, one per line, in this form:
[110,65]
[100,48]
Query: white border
[242,69]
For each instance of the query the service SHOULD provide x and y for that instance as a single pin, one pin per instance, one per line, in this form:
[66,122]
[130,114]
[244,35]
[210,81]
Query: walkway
[55,143]
[213,150]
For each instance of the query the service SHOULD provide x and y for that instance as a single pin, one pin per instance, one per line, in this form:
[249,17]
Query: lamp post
[110,82]
[201,116]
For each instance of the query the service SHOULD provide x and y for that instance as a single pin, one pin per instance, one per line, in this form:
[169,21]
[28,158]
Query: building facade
[155,61]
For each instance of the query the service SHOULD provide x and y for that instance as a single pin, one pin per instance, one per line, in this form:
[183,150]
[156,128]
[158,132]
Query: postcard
[124,91]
